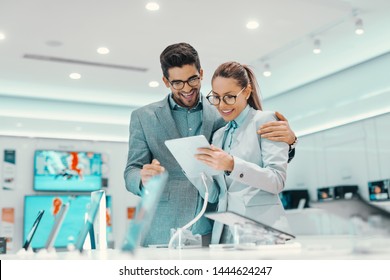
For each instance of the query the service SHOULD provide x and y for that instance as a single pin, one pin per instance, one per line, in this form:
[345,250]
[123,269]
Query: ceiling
[38,99]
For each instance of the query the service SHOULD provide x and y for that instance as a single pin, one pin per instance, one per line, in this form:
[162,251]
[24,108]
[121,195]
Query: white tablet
[231,218]
[184,150]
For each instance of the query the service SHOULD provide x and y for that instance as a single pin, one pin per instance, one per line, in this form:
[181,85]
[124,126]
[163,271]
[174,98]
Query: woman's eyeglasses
[228,99]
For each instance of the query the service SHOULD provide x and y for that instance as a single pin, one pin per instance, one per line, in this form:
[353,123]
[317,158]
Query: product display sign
[9,170]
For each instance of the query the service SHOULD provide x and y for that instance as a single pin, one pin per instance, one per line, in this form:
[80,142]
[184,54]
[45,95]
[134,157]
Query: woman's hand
[216,158]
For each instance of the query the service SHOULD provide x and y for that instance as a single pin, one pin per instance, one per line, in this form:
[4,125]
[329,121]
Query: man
[182,113]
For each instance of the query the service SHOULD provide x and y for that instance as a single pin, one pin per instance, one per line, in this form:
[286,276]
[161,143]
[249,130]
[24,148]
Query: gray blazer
[258,176]
[150,126]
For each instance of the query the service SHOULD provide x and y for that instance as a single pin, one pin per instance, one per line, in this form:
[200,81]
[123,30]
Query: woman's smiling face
[229,87]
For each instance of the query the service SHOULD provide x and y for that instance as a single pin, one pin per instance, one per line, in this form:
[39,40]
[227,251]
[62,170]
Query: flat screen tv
[51,204]
[67,171]
[71,225]
[292,199]
[379,190]
[326,193]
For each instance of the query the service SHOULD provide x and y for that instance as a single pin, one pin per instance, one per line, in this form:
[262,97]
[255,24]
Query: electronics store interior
[69,91]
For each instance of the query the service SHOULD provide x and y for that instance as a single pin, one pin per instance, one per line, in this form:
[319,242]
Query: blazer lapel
[167,122]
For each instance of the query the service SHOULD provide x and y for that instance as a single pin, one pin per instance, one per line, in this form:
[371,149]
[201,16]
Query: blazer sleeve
[270,174]
[138,155]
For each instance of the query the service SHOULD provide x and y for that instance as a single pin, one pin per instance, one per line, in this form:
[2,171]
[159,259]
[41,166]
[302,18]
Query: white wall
[351,154]
[25,147]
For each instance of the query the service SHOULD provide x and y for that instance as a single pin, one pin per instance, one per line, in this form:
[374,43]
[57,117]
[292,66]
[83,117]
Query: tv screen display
[72,223]
[67,171]
[379,190]
[71,226]
[291,199]
[325,193]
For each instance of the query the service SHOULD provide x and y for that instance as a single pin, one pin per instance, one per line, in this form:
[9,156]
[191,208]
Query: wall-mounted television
[67,171]
[379,190]
[345,191]
[294,199]
[71,225]
[326,193]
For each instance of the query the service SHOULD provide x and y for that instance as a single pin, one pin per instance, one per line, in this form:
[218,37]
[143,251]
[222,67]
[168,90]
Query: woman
[254,167]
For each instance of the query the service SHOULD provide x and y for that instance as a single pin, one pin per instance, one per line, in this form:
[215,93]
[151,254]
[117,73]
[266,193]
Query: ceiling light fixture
[2,36]
[75,76]
[359,29]
[152,6]
[267,70]
[103,50]
[153,84]
[252,24]
[317,46]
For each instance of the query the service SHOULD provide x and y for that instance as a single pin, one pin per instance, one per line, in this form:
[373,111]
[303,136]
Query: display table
[302,248]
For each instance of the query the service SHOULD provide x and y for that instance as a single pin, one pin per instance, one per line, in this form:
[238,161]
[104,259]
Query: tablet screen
[184,150]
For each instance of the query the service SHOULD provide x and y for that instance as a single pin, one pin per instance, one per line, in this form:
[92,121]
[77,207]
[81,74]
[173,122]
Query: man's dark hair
[178,55]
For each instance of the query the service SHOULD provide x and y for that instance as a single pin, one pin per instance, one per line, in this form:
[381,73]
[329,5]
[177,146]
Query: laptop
[59,219]
[145,211]
[33,229]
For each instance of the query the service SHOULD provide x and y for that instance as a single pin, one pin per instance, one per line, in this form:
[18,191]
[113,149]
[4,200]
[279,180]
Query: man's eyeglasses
[228,99]
[192,82]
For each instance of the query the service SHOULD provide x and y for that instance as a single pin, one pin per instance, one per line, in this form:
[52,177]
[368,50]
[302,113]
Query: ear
[201,73]
[166,82]
[248,91]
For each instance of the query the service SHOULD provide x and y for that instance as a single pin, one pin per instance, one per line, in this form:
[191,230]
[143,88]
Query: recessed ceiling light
[75,76]
[267,71]
[103,50]
[317,46]
[154,84]
[359,30]
[19,124]
[152,6]
[2,36]
[252,24]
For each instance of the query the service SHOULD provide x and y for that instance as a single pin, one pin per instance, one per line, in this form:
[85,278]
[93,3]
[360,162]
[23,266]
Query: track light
[267,70]
[359,30]
[317,46]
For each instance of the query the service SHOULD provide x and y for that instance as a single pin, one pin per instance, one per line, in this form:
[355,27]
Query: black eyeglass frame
[210,95]
[193,79]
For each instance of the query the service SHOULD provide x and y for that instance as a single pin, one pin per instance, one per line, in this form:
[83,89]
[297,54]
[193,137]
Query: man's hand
[150,170]
[279,131]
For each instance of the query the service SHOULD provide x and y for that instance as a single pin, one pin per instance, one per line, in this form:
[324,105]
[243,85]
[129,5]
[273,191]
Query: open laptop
[33,229]
[146,208]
